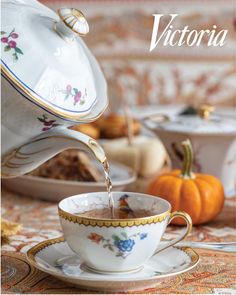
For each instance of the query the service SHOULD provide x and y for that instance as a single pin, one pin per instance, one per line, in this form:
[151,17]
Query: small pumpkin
[200,195]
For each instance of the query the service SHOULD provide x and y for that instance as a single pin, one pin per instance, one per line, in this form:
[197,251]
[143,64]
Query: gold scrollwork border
[114,222]
[191,253]
[31,253]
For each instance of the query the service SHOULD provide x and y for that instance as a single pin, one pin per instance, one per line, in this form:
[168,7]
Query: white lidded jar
[213,137]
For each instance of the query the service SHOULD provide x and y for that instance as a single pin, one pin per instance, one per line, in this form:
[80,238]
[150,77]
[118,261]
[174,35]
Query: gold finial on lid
[75,20]
[205,111]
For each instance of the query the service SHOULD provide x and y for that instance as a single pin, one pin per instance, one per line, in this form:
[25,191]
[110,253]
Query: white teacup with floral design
[117,245]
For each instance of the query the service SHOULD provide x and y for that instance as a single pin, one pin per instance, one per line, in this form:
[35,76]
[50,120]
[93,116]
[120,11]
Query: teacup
[117,245]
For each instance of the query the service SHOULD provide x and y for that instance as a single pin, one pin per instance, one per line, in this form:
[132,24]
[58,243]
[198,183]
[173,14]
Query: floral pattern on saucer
[122,246]
[10,43]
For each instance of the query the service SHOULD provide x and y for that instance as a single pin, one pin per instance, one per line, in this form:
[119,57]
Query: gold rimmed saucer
[56,258]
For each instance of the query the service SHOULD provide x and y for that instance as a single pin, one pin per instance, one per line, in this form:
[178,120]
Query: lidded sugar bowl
[213,138]
[50,81]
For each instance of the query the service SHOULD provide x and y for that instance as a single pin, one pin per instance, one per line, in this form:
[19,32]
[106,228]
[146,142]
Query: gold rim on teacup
[100,222]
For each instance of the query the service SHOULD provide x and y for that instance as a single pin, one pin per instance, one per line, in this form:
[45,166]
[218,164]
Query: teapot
[50,81]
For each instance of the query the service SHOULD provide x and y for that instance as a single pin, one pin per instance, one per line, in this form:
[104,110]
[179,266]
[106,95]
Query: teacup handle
[188,221]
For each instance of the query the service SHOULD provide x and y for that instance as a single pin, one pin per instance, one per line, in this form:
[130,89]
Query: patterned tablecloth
[214,274]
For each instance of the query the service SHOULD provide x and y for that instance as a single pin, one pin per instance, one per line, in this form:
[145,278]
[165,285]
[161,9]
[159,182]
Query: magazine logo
[171,37]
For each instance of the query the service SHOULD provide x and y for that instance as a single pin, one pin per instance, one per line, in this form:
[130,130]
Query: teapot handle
[41,148]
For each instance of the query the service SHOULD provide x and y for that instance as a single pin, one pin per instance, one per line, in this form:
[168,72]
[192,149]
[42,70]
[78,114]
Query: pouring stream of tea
[101,157]
[109,187]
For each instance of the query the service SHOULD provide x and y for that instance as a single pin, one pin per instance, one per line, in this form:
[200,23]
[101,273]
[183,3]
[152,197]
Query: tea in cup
[121,244]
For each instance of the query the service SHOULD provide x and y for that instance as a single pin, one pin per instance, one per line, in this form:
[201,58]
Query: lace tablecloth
[214,274]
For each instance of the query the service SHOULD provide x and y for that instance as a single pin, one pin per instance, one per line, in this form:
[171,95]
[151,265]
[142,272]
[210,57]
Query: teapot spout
[41,148]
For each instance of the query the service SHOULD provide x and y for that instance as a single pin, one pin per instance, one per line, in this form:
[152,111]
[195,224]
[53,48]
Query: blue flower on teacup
[121,245]
[125,245]
[143,236]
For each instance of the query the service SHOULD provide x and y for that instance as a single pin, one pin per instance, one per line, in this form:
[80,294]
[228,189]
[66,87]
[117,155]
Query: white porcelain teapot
[50,81]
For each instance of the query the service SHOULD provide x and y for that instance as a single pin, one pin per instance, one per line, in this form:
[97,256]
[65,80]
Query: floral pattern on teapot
[75,93]
[121,245]
[47,123]
[11,45]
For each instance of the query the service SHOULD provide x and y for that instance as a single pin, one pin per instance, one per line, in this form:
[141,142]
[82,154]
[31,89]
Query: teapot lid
[202,123]
[44,58]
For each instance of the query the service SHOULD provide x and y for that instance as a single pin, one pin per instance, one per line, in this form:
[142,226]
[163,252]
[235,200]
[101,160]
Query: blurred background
[120,34]
[166,81]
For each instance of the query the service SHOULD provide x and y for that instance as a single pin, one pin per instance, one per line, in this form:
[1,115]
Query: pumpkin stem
[186,171]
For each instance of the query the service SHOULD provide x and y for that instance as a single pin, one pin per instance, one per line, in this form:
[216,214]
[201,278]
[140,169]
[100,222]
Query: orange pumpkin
[200,195]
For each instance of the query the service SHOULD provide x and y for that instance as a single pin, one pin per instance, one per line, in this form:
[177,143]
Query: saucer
[56,258]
